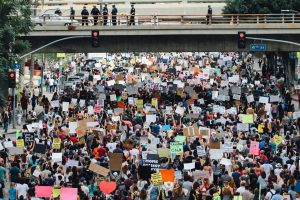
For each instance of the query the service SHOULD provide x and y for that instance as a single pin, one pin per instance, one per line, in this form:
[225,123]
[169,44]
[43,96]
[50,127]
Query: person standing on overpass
[114,13]
[72,13]
[132,14]
[105,14]
[84,15]
[95,13]
[209,15]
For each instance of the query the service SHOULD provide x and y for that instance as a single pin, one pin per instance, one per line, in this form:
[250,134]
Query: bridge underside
[161,43]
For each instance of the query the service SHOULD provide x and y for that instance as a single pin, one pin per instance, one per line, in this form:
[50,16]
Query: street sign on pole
[17,66]
[258,47]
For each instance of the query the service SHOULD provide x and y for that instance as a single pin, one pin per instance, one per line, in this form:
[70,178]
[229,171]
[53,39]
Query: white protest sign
[201,151]
[65,106]
[90,110]
[72,127]
[57,157]
[263,99]
[189,166]
[113,97]
[151,118]
[55,104]
[250,98]
[274,98]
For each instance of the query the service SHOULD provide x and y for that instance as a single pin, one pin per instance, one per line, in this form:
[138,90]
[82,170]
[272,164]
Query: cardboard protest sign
[20,143]
[254,148]
[247,119]
[236,90]
[43,191]
[204,131]
[39,148]
[68,193]
[98,169]
[176,147]
[115,161]
[56,143]
[156,179]
[168,175]
[191,131]
[152,161]
[82,126]
[201,150]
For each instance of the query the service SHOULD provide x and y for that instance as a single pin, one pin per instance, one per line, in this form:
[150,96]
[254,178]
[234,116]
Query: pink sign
[68,193]
[254,148]
[43,191]
[97,108]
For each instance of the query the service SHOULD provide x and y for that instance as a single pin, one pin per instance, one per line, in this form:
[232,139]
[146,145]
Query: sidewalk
[38,109]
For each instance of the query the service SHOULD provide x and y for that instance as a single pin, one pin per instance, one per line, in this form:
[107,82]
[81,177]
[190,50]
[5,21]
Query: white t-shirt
[111,146]
[22,190]
[134,152]
[51,81]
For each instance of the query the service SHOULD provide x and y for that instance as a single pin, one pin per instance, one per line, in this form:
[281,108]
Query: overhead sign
[60,55]
[258,47]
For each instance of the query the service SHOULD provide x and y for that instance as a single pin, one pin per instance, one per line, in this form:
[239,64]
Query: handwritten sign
[56,143]
[156,179]
[254,148]
[20,143]
[176,147]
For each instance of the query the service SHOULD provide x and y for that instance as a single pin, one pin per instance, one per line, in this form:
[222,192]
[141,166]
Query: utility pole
[42,73]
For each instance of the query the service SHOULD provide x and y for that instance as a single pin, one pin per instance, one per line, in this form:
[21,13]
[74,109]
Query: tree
[260,6]
[14,22]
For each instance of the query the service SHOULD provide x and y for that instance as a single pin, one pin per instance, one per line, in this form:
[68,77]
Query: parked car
[52,20]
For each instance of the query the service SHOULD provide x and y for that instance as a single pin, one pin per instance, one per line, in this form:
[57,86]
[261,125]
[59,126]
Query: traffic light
[12,79]
[95,38]
[241,40]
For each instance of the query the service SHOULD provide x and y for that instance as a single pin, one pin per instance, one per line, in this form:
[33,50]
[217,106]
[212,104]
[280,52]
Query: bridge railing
[139,20]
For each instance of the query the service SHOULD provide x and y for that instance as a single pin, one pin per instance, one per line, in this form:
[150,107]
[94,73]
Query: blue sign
[17,66]
[258,47]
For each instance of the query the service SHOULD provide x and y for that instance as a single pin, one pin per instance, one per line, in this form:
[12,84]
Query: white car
[52,20]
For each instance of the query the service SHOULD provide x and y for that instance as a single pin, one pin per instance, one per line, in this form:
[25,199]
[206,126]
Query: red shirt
[101,151]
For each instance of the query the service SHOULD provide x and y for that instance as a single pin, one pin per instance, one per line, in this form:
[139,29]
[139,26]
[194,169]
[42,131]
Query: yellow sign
[180,92]
[60,55]
[56,143]
[139,103]
[156,179]
[277,139]
[20,143]
[298,54]
[247,119]
[154,102]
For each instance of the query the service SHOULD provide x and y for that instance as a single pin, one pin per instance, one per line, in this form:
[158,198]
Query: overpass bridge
[173,33]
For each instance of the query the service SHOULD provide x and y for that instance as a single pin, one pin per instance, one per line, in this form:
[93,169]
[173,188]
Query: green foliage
[14,22]
[260,6]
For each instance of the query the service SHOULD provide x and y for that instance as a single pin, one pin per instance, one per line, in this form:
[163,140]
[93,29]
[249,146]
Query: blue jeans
[5,127]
